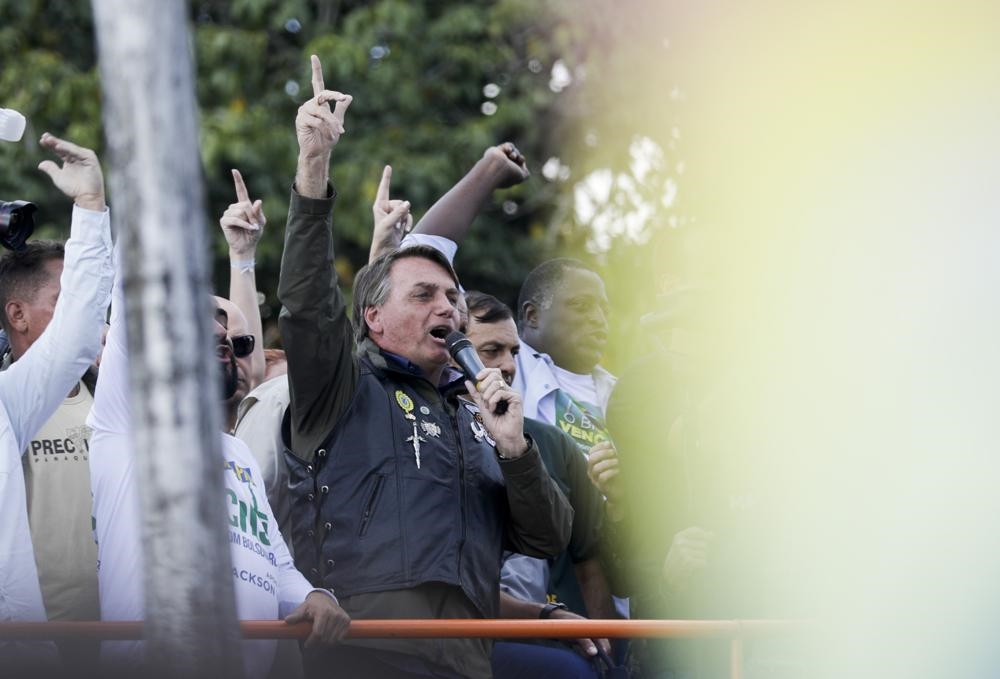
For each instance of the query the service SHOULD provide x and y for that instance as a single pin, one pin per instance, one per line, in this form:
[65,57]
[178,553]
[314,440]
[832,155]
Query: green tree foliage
[47,72]
[568,79]
[417,71]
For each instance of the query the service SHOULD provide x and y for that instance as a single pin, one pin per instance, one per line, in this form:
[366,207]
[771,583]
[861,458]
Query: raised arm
[243,224]
[392,219]
[451,216]
[33,387]
[315,329]
[318,129]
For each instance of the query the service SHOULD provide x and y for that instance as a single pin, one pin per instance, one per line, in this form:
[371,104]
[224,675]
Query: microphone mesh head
[456,341]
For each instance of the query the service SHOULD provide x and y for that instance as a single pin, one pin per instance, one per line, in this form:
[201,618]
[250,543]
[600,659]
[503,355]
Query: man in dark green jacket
[403,495]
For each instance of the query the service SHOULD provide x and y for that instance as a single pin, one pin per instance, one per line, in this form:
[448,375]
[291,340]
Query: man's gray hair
[372,284]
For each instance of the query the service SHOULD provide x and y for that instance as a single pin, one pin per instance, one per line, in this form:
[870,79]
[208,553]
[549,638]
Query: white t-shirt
[573,402]
[266,583]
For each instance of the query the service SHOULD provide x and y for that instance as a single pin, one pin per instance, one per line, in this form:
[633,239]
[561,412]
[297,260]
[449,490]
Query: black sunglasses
[243,345]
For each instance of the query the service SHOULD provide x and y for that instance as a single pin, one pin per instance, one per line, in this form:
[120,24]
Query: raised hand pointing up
[392,218]
[243,222]
[318,129]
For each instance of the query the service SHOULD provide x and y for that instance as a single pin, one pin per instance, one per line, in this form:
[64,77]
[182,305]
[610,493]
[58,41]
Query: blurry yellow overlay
[843,163]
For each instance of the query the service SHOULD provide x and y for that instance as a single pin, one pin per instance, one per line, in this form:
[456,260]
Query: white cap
[11,125]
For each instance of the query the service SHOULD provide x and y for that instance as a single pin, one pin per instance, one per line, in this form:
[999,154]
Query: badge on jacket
[406,403]
[478,427]
[430,428]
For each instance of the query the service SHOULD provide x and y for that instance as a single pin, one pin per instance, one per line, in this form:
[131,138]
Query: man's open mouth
[439,332]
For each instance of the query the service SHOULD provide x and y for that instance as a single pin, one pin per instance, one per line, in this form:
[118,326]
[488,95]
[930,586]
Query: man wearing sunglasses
[243,345]
[265,581]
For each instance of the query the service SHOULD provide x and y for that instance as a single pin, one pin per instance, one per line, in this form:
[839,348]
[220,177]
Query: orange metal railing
[734,630]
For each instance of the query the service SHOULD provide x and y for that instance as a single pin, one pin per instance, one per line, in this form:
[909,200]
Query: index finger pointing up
[242,195]
[317,75]
[382,196]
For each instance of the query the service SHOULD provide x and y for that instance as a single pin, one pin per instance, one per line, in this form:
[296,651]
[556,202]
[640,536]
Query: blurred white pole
[156,186]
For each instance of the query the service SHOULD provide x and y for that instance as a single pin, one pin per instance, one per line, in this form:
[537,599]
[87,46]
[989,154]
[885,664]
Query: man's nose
[218,331]
[445,307]
[508,367]
[599,316]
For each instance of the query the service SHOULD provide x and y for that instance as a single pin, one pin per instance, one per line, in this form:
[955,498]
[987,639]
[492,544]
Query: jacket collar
[387,361]
[536,379]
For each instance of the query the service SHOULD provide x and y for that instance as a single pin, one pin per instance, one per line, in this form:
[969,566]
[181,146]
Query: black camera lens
[17,223]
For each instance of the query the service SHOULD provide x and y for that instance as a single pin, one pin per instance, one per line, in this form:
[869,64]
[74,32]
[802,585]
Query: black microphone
[463,353]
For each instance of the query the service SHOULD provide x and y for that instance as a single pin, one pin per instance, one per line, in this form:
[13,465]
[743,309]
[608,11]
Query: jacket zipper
[370,505]
[461,482]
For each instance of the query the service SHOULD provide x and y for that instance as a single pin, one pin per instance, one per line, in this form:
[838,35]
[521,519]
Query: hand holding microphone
[499,405]
[463,353]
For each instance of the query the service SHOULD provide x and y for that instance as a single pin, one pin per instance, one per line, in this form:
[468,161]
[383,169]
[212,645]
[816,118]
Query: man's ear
[16,316]
[529,315]
[374,320]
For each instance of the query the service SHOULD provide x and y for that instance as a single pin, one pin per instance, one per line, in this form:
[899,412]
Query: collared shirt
[448,377]
[258,424]
[32,389]
[543,396]
[538,383]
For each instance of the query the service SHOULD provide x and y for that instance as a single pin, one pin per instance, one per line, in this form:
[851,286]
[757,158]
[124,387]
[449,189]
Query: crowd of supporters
[367,476]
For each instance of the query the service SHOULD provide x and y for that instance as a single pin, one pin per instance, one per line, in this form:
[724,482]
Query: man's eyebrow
[434,287]
[588,297]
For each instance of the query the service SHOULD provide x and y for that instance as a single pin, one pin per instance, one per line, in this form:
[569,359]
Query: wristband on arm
[548,609]
[243,265]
